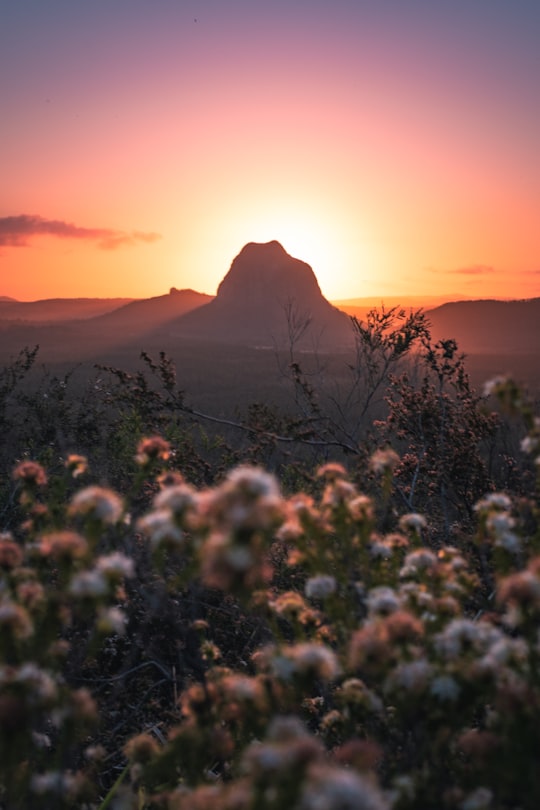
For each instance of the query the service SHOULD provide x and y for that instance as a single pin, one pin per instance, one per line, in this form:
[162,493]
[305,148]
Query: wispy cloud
[18,231]
[474,270]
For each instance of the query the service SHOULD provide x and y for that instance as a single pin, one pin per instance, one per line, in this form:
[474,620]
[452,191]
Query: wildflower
[361,508]
[412,522]
[141,748]
[530,443]
[83,706]
[209,651]
[402,627]
[160,527]
[291,605]
[98,503]
[418,562]
[152,448]
[320,587]
[316,659]
[88,585]
[379,549]
[493,501]
[31,594]
[111,621]
[253,481]
[11,554]
[503,651]
[332,471]
[445,688]
[286,751]
[521,589]
[95,753]
[41,685]
[305,659]
[243,689]
[382,600]
[178,499]
[248,499]
[63,545]
[331,720]
[354,692]
[63,784]
[383,460]
[115,566]
[369,647]
[337,493]
[479,799]
[412,677]
[463,635]
[30,473]
[331,788]
[77,465]
[15,619]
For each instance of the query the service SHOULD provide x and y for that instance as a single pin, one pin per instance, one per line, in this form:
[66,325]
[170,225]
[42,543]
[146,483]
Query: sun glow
[312,239]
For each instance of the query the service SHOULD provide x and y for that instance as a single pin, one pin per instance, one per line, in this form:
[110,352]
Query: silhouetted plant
[235,647]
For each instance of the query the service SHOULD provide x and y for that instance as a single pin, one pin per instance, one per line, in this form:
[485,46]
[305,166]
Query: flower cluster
[307,651]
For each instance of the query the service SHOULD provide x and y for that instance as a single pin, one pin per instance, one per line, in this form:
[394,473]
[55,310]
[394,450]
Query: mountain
[360,307]
[81,337]
[267,299]
[489,326]
[52,310]
[146,314]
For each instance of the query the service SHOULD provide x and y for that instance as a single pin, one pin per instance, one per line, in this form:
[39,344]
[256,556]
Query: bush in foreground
[232,647]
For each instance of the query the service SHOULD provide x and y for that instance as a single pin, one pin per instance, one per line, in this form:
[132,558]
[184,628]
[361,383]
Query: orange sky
[393,146]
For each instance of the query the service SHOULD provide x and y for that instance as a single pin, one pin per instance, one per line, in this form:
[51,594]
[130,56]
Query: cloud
[18,231]
[474,270]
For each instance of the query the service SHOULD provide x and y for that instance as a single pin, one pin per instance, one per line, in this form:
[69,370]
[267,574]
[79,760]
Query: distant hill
[267,299]
[146,314]
[488,326]
[52,310]
[6,298]
[359,307]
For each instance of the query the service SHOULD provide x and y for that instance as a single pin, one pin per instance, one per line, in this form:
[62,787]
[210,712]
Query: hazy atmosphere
[391,145]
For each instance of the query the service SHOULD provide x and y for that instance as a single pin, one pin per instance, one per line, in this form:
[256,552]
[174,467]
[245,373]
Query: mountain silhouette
[52,310]
[489,326]
[267,299]
[146,314]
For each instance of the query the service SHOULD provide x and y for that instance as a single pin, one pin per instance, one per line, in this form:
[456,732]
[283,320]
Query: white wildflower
[445,688]
[493,501]
[176,498]
[330,788]
[462,635]
[160,527]
[479,799]
[115,566]
[43,685]
[97,502]
[418,561]
[88,585]
[383,601]
[320,587]
[411,677]
[111,621]
[530,443]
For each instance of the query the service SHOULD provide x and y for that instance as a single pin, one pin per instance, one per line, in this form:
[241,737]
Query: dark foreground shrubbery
[181,646]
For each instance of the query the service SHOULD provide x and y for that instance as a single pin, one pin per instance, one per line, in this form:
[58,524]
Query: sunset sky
[392,144]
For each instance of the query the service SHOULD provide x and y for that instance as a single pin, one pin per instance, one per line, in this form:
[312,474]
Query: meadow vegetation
[329,606]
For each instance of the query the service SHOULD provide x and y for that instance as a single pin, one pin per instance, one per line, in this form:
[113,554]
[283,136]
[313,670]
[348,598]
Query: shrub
[236,647]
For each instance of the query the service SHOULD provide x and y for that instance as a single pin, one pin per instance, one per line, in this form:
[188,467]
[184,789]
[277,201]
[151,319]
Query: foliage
[233,646]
